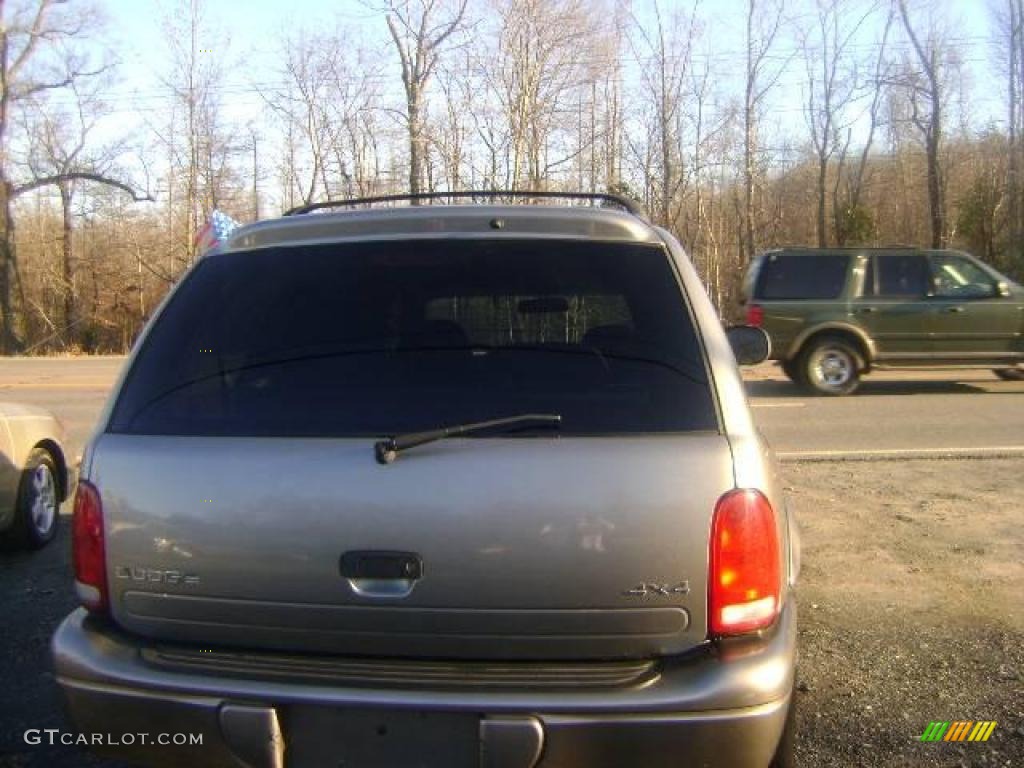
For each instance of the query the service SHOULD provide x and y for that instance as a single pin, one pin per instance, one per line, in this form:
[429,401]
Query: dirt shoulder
[911,609]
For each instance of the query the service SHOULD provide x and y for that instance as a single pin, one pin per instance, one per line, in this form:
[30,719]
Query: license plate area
[380,738]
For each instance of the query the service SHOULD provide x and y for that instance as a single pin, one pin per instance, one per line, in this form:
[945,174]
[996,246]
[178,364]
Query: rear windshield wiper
[387,450]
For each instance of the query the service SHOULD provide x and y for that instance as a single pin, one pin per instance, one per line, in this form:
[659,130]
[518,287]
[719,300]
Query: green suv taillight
[755,315]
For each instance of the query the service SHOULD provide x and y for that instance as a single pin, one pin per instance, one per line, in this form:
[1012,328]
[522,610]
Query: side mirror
[750,345]
[1002,288]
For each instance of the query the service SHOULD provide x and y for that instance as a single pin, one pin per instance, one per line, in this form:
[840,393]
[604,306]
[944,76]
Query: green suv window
[798,276]
[897,275]
[959,278]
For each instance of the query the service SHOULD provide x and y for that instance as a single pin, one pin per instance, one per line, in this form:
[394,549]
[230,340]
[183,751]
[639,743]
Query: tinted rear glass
[792,276]
[385,338]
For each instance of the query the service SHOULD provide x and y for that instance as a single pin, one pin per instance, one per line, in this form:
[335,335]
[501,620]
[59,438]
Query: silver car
[442,485]
[33,474]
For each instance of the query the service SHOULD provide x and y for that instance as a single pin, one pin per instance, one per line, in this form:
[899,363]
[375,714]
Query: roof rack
[884,247]
[631,206]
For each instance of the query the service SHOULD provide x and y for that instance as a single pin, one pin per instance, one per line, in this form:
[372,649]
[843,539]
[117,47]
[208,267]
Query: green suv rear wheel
[830,366]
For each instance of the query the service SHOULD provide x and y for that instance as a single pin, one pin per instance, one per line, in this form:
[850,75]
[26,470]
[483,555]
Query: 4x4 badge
[665,590]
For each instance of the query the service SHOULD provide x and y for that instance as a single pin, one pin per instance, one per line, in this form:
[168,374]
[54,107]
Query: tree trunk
[9,341]
[928,58]
[822,178]
[1013,192]
[748,181]
[67,274]
[1017,225]
[935,207]
[415,142]
[255,181]
[749,144]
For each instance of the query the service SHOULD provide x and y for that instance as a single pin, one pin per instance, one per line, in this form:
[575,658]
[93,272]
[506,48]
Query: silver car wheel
[43,508]
[832,368]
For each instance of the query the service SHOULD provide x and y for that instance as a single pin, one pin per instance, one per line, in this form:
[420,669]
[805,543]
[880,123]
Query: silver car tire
[831,366]
[38,504]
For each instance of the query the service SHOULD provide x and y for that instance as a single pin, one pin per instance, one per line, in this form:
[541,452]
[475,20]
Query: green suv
[834,314]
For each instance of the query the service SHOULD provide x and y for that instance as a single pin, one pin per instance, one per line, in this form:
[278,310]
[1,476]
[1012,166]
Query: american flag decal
[214,232]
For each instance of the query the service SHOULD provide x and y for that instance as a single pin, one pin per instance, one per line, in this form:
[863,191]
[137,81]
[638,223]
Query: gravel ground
[911,610]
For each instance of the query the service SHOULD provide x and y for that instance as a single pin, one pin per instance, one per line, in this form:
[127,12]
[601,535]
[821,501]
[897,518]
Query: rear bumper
[726,707]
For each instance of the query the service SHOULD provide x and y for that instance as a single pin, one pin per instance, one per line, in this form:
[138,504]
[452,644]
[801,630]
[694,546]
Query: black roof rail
[885,247]
[631,206]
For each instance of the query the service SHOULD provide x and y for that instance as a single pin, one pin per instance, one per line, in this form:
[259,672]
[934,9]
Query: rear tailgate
[530,547]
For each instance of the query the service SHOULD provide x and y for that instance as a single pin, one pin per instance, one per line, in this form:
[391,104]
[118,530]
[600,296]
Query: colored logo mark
[959,730]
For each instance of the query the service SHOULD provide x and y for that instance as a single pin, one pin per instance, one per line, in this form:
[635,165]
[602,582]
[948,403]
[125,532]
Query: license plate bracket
[380,738]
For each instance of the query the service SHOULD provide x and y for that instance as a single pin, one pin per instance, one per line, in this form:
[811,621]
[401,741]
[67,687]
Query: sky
[252,29]
[246,37]
[135,30]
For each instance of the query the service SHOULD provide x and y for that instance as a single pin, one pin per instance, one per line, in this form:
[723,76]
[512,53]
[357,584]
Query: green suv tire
[793,371]
[829,366]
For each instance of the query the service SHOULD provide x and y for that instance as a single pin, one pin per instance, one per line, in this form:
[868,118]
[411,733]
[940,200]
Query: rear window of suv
[390,337]
[802,276]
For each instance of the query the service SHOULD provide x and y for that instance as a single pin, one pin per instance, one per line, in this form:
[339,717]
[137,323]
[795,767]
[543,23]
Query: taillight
[87,548]
[744,582]
[755,315]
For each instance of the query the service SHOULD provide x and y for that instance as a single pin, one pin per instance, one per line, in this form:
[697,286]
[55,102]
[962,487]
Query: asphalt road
[893,414]
[964,412]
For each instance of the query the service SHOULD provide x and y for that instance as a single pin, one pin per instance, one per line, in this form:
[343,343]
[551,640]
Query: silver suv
[441,485]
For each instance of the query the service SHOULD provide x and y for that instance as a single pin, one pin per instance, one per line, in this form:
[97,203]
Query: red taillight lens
[87,548]
[755,315]
[744,581]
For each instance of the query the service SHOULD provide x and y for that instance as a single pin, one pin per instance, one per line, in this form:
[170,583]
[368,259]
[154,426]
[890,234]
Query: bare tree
[35,57]
[418,35]
[926,90]
[850,219]
[1009,20]
[201,149]
[831,87]
[608,96]
[305,104]
[537,74]
[452,139]
[325,108]
[60,155]
[254,142]
[710,161]
[762,27]
[665,55]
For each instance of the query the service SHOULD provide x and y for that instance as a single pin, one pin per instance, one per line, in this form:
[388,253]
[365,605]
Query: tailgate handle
[381,565]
